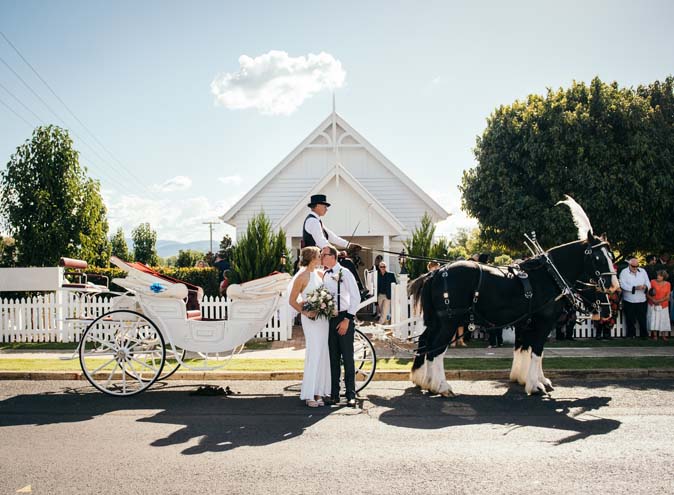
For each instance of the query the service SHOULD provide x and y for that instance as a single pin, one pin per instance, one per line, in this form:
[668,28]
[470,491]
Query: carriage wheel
[171,363]
[122,353]
[169,366]
[365,360]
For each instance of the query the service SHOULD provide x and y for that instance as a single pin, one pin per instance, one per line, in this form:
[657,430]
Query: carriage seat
[194,314]
[260,287]
[172,291]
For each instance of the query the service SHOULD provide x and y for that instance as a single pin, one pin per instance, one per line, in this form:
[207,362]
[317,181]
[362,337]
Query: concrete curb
[384,375]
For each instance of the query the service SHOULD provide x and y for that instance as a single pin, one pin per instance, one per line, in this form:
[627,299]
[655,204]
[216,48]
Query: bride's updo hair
[308,254]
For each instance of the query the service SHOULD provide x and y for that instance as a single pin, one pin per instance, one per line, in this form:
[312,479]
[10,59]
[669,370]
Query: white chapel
[373,202]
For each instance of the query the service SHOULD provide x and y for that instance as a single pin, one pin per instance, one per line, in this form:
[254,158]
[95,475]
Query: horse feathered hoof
[448,393]
[548,385]
[535,389]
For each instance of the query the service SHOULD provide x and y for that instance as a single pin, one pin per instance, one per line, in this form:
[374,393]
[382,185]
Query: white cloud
[177,183]
[231,180]
[275,83]
[457,219]
[179,220]
[436,80]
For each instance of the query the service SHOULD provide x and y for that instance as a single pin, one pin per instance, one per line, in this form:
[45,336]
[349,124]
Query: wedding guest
[658,305]
[634,284]
[384,281]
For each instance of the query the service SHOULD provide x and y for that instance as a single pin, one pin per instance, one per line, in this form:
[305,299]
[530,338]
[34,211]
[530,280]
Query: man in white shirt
[314,233]
[634,284]
[342,285]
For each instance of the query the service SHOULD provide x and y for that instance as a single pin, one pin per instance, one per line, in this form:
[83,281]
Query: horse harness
[578,302]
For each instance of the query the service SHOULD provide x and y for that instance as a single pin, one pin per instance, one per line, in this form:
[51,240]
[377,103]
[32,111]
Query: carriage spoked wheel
[171,364]
[122,353]
[365,360]
[174,358]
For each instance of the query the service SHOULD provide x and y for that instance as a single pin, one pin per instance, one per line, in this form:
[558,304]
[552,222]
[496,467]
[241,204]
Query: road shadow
[415,409]
[218,424]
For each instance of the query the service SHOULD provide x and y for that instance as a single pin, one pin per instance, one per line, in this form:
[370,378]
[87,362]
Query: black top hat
[318,199]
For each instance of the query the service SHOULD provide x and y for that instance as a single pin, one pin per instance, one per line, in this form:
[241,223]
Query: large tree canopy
[49,205]
[610,148]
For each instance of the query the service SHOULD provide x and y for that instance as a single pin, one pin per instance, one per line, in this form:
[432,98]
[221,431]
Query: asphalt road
[589,437]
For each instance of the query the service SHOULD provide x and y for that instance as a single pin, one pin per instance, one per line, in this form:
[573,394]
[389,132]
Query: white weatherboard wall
[366,190]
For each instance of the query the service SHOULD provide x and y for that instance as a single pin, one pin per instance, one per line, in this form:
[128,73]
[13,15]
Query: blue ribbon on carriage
[157,288]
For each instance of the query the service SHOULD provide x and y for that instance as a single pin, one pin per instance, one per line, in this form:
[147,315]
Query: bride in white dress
[316,382]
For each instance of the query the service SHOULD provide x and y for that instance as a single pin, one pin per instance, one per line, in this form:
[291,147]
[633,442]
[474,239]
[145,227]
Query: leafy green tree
[225,250]
[145,244]
[7,252]
[440,249]
[119,247]
[419,245]
[187,258]
[258,253]
[609,147]
[49,205]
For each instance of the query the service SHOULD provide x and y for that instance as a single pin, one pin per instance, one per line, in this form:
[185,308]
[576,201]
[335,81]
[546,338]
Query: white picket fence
[62,316]
[407,321]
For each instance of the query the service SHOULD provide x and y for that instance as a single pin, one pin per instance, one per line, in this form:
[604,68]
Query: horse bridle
[597,285]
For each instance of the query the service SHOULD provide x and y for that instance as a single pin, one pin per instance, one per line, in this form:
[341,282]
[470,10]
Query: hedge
[206,278]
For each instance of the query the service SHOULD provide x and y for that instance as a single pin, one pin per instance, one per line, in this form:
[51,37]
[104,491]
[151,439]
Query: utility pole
[210,228]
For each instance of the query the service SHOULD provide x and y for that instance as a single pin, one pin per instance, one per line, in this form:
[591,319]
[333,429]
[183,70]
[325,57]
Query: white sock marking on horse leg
[514,369]
[544,380]
[534,383]
[438,383]
[525,364]
[418,376]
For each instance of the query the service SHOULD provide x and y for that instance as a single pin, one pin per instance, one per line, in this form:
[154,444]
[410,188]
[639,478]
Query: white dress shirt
[628,280]
[349,295]
[313,226]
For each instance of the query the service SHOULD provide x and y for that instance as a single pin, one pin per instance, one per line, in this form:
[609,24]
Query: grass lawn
[27,365]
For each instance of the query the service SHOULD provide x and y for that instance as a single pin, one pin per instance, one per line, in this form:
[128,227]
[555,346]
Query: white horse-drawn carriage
[149,332]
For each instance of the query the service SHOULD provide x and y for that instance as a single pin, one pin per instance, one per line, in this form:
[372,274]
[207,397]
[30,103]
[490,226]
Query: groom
[342,285]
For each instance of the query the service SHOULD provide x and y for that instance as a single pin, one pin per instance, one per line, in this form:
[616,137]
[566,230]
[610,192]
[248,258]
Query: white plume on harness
[579,217]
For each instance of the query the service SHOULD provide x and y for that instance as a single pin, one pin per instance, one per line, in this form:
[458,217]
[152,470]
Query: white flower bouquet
[321,302]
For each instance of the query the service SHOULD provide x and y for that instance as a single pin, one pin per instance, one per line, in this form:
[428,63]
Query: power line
[15,113]
[143,189]
[67,107]
[21,103]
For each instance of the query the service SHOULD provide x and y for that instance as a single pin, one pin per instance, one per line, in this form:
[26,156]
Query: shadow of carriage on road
[513,409]
[220,423]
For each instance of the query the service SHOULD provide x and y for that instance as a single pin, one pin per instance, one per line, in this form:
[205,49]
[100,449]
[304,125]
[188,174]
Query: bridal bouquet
[322,302]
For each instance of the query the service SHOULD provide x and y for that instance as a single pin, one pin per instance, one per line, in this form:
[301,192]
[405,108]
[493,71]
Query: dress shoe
[351,403]
[331,401]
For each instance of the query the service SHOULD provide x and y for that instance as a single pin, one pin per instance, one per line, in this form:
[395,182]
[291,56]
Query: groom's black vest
[307,238]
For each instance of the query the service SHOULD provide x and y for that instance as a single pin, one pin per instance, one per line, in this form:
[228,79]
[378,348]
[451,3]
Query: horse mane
[579,217]
[416,286]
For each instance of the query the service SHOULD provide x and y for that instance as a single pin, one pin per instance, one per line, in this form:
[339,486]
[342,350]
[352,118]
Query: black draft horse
[530,296]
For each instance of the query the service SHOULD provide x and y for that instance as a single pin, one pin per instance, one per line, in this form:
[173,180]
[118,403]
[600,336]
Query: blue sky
[417,79]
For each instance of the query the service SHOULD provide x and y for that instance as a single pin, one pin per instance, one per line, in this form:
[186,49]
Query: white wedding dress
[317,357]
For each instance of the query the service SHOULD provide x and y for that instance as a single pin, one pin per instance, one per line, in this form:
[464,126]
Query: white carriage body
[251,306]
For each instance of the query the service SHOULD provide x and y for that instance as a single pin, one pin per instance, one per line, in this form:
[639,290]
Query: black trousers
[341,350]
[495,337]
[636,312]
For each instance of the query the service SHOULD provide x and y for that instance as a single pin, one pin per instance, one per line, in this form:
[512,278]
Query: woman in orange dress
[658,305]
